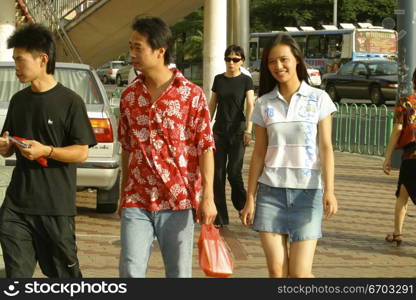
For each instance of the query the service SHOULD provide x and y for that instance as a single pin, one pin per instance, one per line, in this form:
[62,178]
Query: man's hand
[246,138]
[35,151]
[207,210]
[120,206]
[5,145]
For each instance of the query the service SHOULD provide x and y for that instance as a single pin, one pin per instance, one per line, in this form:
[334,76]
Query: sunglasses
[234,59]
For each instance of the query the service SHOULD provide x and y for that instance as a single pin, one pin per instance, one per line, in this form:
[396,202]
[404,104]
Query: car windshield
[384,68]
[117,65]
[80,81]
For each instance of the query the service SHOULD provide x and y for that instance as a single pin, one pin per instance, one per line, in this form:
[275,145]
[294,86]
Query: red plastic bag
[214,257]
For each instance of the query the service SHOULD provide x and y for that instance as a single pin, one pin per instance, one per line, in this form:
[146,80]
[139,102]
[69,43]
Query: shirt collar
[303,91]
[178,78]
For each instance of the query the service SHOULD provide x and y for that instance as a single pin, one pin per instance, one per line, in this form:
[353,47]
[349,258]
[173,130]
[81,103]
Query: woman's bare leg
[275,249]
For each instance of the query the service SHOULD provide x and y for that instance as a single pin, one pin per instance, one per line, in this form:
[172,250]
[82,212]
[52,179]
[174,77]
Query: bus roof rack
[292,29]
[307,28]
[365,25]
[329,27]
[347,25]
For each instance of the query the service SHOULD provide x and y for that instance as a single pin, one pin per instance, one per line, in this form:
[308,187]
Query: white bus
[327,49]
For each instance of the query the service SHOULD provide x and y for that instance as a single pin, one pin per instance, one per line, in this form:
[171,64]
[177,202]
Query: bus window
[253,51]
[322,46]
[334,43]
[313,48]
[263,42]
[301,40]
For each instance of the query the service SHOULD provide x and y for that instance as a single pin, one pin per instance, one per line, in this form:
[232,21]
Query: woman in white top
[292,148]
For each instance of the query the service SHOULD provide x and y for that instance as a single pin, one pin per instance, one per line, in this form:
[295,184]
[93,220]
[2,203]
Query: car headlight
[392,85]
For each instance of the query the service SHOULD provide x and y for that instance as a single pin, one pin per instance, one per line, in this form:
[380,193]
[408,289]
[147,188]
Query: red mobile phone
[17,141]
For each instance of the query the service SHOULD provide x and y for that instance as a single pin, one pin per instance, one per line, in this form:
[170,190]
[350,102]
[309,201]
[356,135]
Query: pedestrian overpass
[96,31]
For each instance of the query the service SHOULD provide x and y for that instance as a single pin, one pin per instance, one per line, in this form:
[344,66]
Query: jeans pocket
[314,196]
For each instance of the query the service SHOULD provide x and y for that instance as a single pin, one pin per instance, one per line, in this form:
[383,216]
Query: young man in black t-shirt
[232,130]
[37,215]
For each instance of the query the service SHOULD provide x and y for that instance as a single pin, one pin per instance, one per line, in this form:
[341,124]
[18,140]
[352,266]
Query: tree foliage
[188,37]
[267,15]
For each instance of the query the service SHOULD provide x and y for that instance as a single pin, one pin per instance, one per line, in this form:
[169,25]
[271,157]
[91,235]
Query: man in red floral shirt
[167,143]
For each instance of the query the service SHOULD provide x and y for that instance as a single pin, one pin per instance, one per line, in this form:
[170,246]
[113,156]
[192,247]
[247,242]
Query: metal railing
[61,9]
[55,14]
[362,129]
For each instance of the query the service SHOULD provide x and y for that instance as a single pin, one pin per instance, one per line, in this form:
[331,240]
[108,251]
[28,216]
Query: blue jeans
[174,231]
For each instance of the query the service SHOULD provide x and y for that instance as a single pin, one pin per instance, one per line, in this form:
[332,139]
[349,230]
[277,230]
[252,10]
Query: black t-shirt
[231,94]
[57,117]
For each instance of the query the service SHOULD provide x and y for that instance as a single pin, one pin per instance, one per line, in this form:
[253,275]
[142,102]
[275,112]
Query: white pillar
[7,26]
[239,25]
[215,41]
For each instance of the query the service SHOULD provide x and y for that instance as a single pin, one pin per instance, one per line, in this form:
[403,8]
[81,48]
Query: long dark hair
[267,81]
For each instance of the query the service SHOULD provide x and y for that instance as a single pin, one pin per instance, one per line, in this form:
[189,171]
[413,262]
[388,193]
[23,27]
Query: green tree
[267,15]
[188,35]
[374,12]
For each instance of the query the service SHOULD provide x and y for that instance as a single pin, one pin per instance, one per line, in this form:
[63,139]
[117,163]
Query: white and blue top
[292,157]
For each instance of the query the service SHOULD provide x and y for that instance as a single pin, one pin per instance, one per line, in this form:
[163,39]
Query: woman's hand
[247,214]
[387,166]
[330,204]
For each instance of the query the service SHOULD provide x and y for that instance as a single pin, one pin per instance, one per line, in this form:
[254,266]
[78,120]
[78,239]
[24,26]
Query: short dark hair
[157,32]
[236,49]
[267,81]
[35,37]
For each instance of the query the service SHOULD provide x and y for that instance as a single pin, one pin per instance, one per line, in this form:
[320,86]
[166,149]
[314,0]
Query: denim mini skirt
[295,212]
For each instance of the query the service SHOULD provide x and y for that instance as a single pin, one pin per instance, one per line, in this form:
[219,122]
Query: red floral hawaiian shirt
[165,140]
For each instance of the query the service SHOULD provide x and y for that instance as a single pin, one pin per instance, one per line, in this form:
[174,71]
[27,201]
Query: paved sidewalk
[353,244]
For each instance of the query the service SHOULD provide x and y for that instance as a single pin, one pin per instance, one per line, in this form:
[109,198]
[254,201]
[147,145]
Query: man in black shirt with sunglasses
[232,130]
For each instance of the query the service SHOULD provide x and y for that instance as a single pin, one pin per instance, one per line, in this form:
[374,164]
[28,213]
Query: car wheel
[119,82]
[105,79]
[332,92]
[376,96]
[107,200]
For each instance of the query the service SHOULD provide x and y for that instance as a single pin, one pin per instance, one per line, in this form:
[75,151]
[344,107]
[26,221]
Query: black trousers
[28,239]
[229,157]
